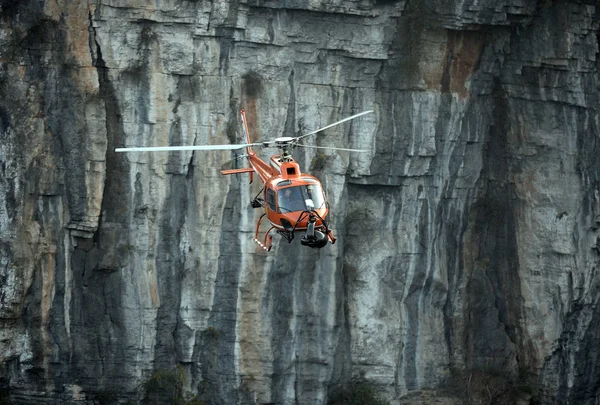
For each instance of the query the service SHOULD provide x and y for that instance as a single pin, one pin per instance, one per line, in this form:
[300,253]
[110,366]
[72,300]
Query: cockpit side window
[271,199]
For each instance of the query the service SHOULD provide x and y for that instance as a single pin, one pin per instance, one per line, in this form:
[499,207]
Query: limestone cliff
[469,236]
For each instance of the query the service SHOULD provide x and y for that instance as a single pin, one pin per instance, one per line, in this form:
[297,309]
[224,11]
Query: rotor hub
[284,141]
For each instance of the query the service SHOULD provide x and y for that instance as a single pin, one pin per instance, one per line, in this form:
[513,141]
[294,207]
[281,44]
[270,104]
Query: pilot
[290,201]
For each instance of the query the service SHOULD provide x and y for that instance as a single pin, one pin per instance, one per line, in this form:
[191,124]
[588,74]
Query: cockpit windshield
[300,198]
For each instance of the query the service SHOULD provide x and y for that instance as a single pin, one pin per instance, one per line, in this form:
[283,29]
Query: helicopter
[292,201]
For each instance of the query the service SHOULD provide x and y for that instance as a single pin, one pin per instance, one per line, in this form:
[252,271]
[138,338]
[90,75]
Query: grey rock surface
[468,238]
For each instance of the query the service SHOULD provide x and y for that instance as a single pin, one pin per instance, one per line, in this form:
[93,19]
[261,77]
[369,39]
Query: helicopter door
[271,199]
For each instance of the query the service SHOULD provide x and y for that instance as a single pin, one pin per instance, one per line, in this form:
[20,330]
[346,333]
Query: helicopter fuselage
[287,195]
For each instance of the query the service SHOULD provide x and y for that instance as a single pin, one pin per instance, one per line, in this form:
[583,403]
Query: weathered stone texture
[469,235]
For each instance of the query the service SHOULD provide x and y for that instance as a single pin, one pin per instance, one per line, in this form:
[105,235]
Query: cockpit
[300,198]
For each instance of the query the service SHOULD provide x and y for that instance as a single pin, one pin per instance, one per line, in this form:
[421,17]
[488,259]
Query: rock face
[469,236]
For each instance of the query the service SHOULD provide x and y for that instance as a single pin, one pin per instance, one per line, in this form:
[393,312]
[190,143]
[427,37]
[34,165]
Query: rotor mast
[285,143]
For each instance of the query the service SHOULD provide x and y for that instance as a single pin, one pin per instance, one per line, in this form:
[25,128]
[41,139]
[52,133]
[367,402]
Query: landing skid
[267,241]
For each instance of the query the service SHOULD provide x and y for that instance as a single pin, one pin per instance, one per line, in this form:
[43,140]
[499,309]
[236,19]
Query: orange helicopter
[293,201]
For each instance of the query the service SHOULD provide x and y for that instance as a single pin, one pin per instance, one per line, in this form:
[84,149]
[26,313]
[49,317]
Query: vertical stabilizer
[245,131]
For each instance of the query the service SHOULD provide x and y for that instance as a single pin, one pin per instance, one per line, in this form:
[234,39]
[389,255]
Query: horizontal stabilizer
[237,171]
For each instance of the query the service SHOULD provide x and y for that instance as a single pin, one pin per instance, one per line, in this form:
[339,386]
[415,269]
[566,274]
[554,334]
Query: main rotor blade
[335,123]
[182,148]
[331,147]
